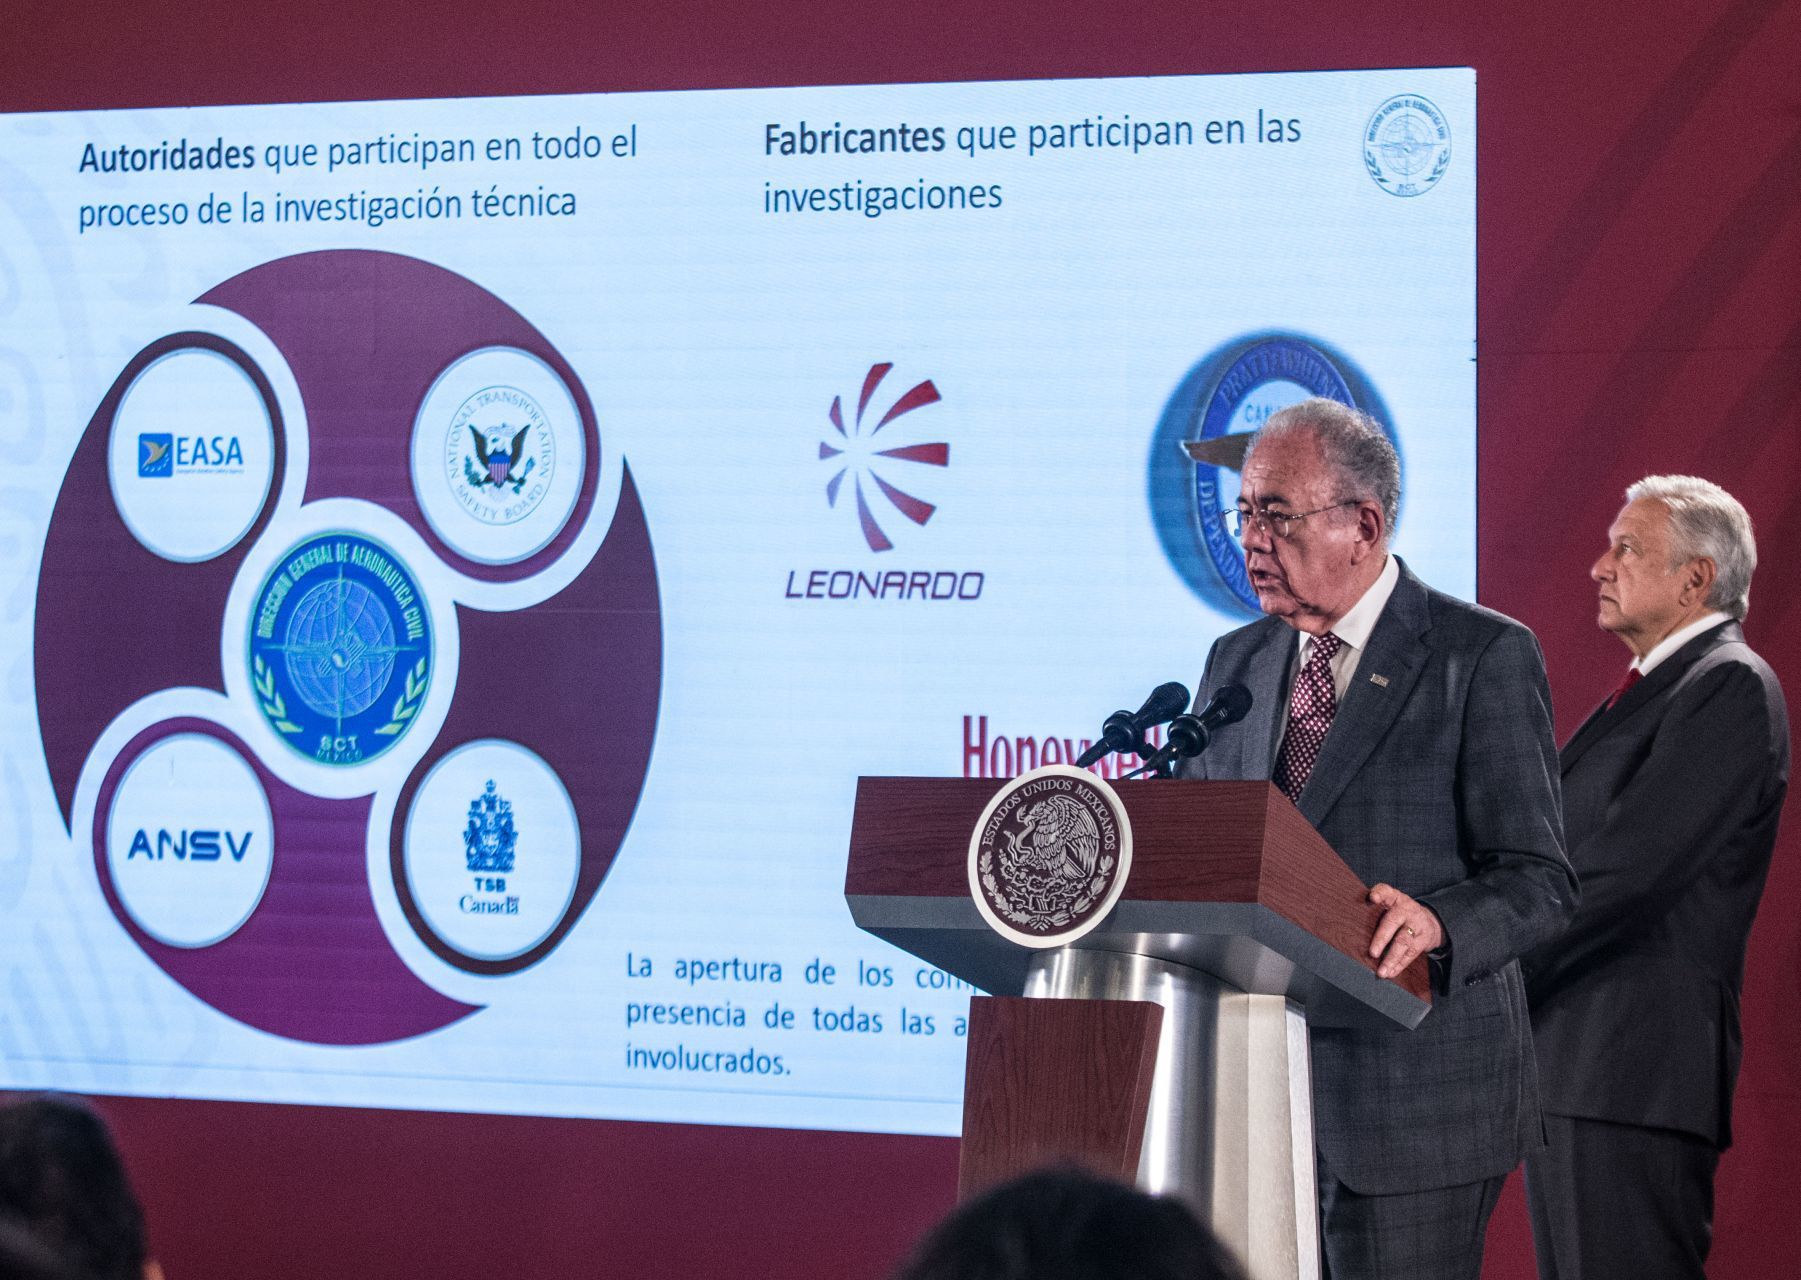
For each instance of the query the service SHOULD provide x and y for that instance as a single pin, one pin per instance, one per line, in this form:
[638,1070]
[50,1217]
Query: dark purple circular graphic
[574,678]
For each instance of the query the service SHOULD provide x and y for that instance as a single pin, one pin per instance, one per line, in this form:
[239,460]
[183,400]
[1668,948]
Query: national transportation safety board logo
[500,455]
[340,649]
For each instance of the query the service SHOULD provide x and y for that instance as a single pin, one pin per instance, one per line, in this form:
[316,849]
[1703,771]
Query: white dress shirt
[1676,639]
[1353,631]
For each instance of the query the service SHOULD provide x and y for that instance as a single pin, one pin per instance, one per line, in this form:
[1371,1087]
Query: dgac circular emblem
[1266,376]
[1049,856]
[1407,146]
[500,454]
[340,649]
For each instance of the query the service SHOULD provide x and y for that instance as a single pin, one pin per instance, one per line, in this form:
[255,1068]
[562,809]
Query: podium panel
[1168,1045]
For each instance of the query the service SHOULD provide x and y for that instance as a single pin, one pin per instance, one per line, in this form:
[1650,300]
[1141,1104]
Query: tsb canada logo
[1049,856]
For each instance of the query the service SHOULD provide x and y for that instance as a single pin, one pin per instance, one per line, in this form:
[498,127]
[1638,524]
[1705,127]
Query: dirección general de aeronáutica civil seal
[340,648]
[1407,145]
[1049,856]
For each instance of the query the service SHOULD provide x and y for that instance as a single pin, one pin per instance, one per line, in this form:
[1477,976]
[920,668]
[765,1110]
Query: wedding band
[1409,929]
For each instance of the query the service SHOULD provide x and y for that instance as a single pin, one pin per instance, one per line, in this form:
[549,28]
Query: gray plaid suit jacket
[1439,776]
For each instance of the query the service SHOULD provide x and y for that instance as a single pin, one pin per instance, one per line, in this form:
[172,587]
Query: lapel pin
[1381,682]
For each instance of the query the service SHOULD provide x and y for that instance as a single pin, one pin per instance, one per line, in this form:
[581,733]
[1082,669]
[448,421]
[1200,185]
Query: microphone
[1189,735]
[1124,730]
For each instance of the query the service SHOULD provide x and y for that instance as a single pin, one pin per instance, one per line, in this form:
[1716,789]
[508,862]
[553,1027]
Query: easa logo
[163,453]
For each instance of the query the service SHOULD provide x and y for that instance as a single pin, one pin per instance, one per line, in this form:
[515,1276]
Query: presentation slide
[457,557]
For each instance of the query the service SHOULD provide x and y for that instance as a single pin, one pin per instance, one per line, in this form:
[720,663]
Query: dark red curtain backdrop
[1640,310]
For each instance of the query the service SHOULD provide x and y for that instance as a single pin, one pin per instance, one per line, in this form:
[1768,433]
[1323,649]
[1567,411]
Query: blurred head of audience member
[63,1189]
[24,1257]
[1067,1224]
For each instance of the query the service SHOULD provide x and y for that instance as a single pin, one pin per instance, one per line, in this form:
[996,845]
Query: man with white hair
[1413,730]
[1672,791]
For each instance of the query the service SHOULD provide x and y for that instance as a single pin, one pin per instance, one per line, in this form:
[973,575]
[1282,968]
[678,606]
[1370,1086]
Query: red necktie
[1633,676]
[1311,706]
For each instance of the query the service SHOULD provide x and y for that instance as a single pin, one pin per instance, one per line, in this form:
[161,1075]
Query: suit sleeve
[1707,772]
[1520,890]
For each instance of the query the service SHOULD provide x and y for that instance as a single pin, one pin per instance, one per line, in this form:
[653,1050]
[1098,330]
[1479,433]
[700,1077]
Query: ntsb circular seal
[340,648]
[1407,145]
[1049,856]
[500,455]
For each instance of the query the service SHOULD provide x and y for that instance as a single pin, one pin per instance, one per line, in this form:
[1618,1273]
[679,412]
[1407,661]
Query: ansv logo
[188,846]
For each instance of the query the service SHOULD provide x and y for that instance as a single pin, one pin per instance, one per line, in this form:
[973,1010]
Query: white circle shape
[1064,937]
[492,850]
[498,455]
[190,841]
[191,456]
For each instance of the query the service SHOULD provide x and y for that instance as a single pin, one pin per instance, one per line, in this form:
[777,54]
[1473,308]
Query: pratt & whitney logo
[489,838]
[1209,423]
[1049,856]
[864,472]
[1407,145]
[340,649]
[500,455]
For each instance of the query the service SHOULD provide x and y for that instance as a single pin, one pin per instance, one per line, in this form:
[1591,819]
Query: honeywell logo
[993,753]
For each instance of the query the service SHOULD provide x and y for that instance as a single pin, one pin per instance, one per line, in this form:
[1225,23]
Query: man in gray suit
[1673,789]
[1414,731]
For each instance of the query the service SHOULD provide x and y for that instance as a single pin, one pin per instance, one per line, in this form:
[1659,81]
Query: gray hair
[1706,521]
[1355,447]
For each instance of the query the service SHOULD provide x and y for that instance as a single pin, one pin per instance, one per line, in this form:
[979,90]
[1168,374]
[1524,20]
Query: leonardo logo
[866,473]
[1407,146]
[854,456]
[340,649]
[1049,856]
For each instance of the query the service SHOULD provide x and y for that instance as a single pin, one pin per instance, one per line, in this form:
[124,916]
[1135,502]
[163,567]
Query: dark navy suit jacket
[1671,803]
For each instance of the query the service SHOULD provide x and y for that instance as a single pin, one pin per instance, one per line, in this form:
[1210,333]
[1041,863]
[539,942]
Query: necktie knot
[1632,677]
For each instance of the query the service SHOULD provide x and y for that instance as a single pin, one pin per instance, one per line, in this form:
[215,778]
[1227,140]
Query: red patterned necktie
[1311,706]
[1633,676]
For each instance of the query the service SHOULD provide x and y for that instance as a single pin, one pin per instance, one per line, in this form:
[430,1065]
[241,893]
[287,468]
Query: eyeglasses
[1279,523]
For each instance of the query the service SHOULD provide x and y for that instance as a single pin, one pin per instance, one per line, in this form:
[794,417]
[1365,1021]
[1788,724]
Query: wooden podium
[1169,1045]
